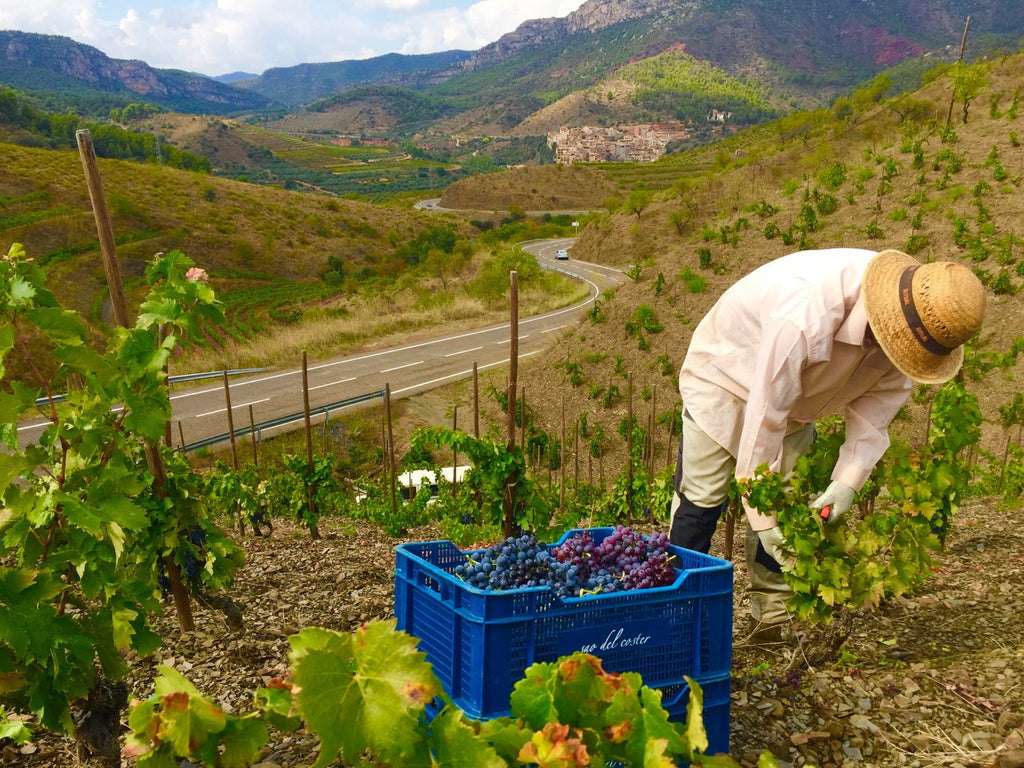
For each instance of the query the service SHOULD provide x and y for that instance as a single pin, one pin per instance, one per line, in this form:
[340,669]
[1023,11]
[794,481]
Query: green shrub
[694,283]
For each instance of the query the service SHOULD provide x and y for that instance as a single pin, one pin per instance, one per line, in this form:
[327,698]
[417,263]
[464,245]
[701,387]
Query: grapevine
[83,524]
[367,694]
[885,552]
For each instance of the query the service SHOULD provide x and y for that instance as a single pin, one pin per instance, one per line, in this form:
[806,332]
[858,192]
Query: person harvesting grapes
[807,335]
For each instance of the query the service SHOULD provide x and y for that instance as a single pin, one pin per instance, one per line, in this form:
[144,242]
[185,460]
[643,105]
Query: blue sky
[216,37]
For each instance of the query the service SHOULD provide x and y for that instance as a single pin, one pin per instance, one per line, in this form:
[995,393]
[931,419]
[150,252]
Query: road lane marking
[334,383]
[224,409]
[460,373]
[260,380]
[400,367]
[463,352]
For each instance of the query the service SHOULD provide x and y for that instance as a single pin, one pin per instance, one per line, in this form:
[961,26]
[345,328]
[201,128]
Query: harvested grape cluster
[578,566]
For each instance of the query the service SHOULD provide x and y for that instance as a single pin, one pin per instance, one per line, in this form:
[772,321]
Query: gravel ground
[936,679]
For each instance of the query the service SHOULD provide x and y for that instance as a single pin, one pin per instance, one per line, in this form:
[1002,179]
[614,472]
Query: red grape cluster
[623,560]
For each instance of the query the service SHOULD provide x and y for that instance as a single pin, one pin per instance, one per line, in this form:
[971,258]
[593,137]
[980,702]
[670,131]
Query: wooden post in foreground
[561,462]
[455,450]
[314,531]
[389,451]
[119,305]
[252,435]
[231,422]
[629,452]
[513,362]
[476,402]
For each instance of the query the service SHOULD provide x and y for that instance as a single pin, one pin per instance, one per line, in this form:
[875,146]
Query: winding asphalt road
[200,413]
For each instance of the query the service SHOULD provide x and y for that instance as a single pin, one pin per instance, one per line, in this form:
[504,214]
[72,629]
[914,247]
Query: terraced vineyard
[313,160]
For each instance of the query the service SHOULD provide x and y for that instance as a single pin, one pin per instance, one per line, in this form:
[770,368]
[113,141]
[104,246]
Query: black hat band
[912,317]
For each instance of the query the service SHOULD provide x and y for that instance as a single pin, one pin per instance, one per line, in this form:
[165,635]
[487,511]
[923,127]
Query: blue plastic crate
[480,643]
[717,697]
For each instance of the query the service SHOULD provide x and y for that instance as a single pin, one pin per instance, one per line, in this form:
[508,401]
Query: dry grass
[375,322]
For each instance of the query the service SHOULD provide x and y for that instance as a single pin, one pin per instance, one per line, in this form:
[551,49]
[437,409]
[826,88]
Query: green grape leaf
[159,759]
[556,746]
[275,701]
[361,691]
[655,742]
[696,734]
[61,325]
[533,698]
[507,736]
[6,345]
[21,291]
[15,730]
[454,743]
[241,742]
[157,311]
[187,718]
[11,465]
[86,516]
[586,689]
[719,761]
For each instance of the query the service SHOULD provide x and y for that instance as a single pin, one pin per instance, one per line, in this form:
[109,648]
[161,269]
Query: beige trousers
[707,472]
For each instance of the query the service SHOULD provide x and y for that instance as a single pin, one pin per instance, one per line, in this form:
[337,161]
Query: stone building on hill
[639,143]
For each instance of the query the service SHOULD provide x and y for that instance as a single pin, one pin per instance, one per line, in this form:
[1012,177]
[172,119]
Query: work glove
[836,500]
[775,545]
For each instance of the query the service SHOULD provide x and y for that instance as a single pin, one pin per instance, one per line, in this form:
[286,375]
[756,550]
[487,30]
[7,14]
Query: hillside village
[638,143]
[633,143]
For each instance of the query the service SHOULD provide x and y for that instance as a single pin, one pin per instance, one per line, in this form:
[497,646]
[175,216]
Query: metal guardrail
[212,375]
[282,420]
[173,380]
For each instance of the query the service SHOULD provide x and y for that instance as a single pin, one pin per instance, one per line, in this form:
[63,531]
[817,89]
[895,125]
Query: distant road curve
[200,413]
[432,205]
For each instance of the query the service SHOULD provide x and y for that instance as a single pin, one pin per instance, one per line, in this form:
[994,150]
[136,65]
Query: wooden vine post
[231,421]
[119,305]
[561,463]
[522,419]
[389,452]
[963,46]
[240,519]
[314,531]
[650,433]
[455,449]
[576,456]
[629,451]
[476,402]
[509,497]
[252,435]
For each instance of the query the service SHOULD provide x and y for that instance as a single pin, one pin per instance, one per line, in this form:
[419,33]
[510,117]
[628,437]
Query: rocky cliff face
[592,16]
[598,14]
[738,34]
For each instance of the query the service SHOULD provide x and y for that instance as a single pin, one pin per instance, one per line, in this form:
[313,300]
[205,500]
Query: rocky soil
[936,679]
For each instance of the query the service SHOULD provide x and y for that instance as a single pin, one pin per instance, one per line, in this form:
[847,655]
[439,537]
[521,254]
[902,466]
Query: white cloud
[397,5]
[220,36]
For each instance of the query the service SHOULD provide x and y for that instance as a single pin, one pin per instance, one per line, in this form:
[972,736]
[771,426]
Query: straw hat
[921,314]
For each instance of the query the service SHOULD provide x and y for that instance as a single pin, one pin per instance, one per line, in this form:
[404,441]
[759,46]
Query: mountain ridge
[812,49]
[60,65]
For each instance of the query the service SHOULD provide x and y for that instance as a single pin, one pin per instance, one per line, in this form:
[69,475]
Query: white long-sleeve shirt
[787,343]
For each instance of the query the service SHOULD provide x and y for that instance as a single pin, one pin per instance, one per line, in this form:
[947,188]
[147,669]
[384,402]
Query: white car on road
[562,255]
